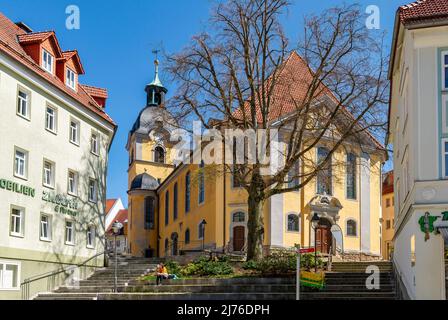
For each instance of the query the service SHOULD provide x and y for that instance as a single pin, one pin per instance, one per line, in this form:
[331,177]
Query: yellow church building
[176,209]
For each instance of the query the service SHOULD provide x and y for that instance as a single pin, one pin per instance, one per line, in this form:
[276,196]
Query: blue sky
[116,39]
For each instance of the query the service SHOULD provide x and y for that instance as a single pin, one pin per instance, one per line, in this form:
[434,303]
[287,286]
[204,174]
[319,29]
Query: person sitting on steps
[162,273]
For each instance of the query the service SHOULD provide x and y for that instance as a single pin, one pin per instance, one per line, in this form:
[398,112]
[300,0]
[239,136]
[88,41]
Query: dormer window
[47,61]
[70,79]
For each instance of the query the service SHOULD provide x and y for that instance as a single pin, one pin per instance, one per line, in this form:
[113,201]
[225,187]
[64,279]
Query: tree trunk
[255,222]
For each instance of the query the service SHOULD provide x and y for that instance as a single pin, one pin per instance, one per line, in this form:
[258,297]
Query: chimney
[24,27]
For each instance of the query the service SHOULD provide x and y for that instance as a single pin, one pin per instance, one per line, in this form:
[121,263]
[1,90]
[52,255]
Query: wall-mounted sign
[427,224]
[445,216]
[64,205]
[17,187]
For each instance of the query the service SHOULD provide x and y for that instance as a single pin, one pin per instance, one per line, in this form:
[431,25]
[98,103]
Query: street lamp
[315,223]
[116,228]
[203,223]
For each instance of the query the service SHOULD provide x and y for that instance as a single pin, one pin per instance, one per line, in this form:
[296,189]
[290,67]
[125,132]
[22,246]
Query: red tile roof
[67,55]
[10,45]
[121,217]
[109,204]
[35,36]
[293,80]
[423,10]
[39,37]
[95,91]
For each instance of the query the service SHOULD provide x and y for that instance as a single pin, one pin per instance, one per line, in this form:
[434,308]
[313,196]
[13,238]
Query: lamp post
[116,228]
[203,223]
[315,223]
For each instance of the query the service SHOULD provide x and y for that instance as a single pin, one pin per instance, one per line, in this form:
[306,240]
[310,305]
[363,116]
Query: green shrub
[307,261]
[205,267]
[250,265]
[173,267]
[282,262]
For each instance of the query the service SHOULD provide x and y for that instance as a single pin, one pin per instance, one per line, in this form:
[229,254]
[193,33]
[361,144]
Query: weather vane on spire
[156,52]
[156,81]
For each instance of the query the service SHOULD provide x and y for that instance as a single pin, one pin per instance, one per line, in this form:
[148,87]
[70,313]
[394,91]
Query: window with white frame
[70,79]
[293,223]
[9,275]
[23,105]
[92,190]
[94,144]
[72,183]
[20,163]
[325,174]
[239,217]
[445,158]
[351,228]
[50,119]
[48,174]
[17,222]
[69,232]
[201,188]
[47,61]
[351,174]
[74,131]
[45,228]
[91,237]
[445,69]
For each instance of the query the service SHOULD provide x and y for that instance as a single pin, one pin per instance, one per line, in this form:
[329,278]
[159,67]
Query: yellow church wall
[236,200]
[194,217]
[148,151]
[292,204]
[139,237]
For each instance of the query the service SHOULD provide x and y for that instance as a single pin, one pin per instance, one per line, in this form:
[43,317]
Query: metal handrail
[400,286]
[25,285]
[181,246]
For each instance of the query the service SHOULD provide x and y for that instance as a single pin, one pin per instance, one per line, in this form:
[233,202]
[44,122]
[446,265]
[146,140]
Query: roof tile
[423,10]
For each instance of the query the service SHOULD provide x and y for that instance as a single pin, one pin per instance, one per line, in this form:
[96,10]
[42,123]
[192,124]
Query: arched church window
[239,217]
[159,155]
[351,228]
[293,223]
[325,174]
[149,213]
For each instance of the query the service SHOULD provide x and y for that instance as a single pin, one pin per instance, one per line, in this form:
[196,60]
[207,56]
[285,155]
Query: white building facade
[54,147]
[418,130]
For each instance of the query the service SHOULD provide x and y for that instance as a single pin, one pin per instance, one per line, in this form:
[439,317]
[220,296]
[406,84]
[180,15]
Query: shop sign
[64,205]
[17,187]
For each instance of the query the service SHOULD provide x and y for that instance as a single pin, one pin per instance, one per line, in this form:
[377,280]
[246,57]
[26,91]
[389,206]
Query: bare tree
[330,88]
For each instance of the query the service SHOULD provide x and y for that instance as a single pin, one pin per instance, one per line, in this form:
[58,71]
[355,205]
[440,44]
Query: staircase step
[198,296]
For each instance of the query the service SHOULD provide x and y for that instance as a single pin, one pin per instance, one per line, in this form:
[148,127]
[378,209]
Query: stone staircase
[102,281]
[361,267]
[347,281]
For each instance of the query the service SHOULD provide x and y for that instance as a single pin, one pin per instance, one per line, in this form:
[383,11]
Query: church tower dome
[155,91]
